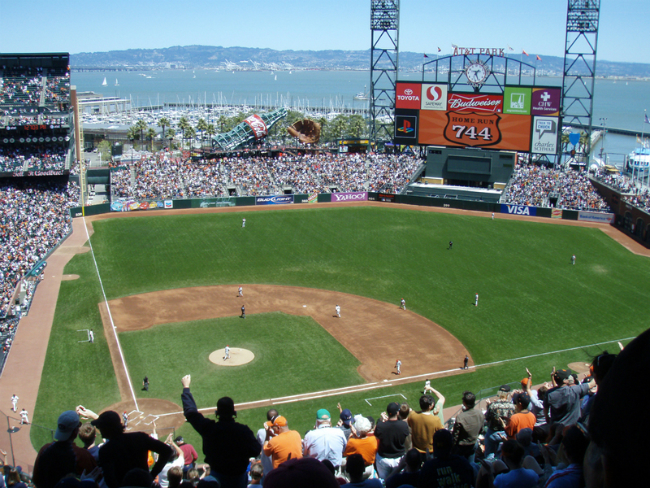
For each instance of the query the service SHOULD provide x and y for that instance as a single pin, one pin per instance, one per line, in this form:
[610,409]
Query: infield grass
[532,300]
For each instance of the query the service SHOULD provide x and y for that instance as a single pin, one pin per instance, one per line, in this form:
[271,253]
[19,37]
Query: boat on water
[638,162]
[104,83]
[116,82]
[362,95]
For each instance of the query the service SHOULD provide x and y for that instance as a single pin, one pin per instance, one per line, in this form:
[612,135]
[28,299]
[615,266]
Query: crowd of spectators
[163,176]
[32,158]
[532,184]
[33,220]
[557,435]
[35,88]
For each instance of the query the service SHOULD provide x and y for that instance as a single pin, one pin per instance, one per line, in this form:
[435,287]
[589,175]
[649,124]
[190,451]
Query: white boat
[362,95]
[638,162]
[104,83]
[116,83]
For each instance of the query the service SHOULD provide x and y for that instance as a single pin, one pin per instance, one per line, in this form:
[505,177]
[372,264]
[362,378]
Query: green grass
[279,341]
[532,300]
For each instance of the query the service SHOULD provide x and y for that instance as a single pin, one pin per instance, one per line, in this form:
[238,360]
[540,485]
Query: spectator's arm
[192,414]
[530,382]
[163,451]
[441,398]
[84,413]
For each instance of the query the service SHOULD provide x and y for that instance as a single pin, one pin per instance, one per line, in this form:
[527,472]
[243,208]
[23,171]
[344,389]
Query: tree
[171,133]
[133,134]
[104,148]
[151,134]
[201,126]
[141,125]
[339,126]
[190,134]
[211,130]
[183,125]
[356,126]
[162,123]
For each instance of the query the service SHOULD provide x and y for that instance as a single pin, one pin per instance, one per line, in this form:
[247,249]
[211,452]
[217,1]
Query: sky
[538,27]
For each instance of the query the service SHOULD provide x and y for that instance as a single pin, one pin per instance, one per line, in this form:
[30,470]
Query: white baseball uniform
[24,419]
[476,301]
[338,311]
[398,365]
[227,352]
[243,223]
[403,304]
[241,291]
[14,402]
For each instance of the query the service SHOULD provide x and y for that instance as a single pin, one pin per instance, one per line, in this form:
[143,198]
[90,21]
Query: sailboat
[116,83]
[104,82]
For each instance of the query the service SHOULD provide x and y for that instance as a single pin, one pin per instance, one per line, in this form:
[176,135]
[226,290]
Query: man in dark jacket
[124,452]
[227,445]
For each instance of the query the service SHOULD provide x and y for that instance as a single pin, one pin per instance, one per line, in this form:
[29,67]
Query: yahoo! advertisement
[357,196]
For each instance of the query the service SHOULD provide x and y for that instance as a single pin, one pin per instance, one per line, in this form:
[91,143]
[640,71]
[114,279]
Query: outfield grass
[532,300]
[289,352]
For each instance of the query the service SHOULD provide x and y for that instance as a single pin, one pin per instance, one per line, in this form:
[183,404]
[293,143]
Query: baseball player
[14,402]
[398,366]
[24,419]
[243,223]
[403,304]
[227,353]
[243,311]
[451,243]
[338,311]
[241,291]
[476,300]
[125,419]
[492,215]
[465,361]
[573,259]
[91,336]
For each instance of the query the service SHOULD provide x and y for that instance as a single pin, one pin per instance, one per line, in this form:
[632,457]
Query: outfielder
[243,223]
[476,300]
[227,352]
[338,311]
[403,304]
[243,311]
[14,402]
[573,259]
[398,366]
[241,291]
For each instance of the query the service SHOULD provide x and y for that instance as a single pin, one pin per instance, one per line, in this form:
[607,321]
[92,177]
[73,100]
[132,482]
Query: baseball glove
[307,131]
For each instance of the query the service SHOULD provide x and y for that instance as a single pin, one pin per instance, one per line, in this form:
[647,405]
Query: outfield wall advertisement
[523,118]
[357,196]
[518,210]
[274,200]
[601,218]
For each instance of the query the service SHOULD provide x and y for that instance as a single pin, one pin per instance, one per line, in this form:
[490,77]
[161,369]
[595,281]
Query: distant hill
[255,58]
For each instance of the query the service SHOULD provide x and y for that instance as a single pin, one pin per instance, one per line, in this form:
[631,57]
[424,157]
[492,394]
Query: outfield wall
[523,210]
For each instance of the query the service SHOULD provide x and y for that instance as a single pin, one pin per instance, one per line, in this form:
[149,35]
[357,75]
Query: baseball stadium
[298,278]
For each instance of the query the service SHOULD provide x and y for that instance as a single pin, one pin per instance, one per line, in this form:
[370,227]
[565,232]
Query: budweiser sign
[482,104]
[257,125]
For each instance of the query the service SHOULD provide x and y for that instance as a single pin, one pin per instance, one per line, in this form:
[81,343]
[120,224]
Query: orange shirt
[366,446]
[283,445]
[518,422]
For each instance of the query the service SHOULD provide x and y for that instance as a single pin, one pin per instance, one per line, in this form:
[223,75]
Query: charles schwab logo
[347,197]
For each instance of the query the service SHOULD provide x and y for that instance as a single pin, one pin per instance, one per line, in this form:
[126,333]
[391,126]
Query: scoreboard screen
[522,118]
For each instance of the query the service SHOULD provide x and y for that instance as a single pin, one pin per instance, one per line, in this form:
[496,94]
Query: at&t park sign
[488,51]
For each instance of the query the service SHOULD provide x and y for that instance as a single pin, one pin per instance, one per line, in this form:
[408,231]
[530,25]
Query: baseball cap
[392,408]
[562,374]
[505,388]
[108,418]
[523,398]
[525,381]
[323,414]
[346,416]
[179,439]
[65,426]
[280,421]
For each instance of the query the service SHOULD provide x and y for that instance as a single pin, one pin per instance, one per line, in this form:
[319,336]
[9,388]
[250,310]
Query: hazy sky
[89,26]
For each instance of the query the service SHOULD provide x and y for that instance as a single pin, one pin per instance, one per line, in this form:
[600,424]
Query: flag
[425,56]
[454,46]
[524,52]
[538,58]
[439,49]
[509,48]
[646,120]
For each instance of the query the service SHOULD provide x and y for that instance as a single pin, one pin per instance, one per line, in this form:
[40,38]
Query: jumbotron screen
[523,118]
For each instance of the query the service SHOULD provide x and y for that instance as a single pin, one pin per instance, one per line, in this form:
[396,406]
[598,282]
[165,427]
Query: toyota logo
[408,91]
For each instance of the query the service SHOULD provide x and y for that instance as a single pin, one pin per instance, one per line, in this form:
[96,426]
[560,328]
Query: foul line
[406,379]
[110,317]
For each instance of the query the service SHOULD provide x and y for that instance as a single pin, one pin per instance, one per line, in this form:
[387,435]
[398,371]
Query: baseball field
[160,293]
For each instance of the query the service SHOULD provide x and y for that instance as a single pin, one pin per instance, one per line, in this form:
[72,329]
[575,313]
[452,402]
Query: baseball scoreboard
[521,118]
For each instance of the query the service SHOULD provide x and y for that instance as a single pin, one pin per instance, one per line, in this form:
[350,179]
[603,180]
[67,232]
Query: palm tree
[170,135]
[151,134]
[211,130]
[356,125]
[183,125]
[201,126]
[190,133]
[132,134]
[163,122]
[338,126]
[141,125]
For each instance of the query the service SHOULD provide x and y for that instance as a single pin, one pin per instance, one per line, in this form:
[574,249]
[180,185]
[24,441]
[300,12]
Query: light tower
[384,29]
[580,65]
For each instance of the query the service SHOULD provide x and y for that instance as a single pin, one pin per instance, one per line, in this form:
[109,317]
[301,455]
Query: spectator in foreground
[301,473]
[510,472]
[412,461]
[355,468]
[87,435]
[227,445]
[563,402]
[392,435]
[125,452]
[281,443]
[497,415]
[362,442]
[468,426]
[445,465]
[325,441]
[189,454]
[615,456]
[267,462]
[58,459]
[423,425]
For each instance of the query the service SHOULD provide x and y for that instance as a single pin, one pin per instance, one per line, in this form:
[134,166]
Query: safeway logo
[434,98]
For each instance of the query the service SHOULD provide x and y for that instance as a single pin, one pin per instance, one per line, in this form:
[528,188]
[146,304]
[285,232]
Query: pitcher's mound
[237,357]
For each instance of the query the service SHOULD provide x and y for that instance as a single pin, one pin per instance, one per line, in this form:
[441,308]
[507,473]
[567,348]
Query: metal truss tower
[580,66]
[384,29]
